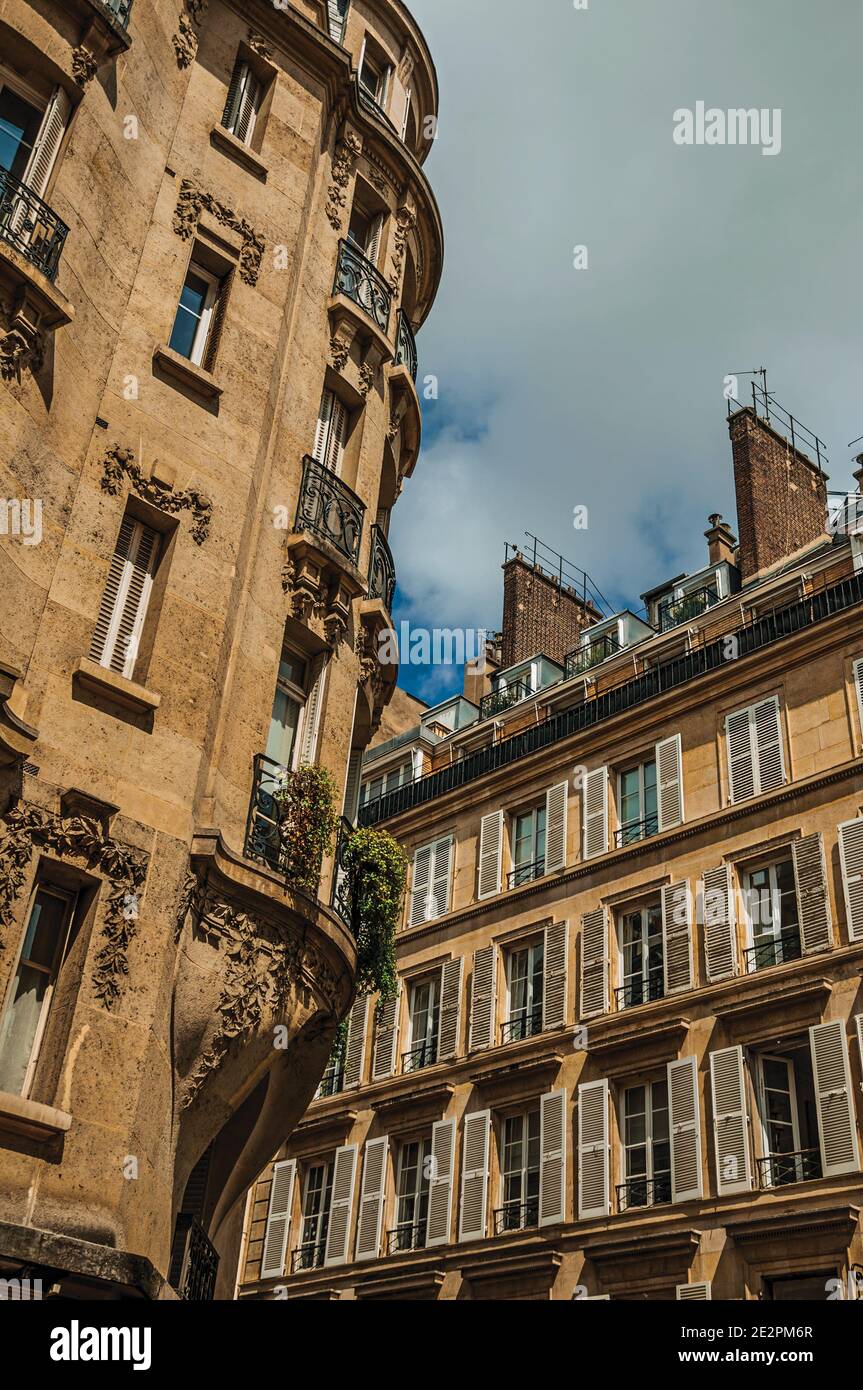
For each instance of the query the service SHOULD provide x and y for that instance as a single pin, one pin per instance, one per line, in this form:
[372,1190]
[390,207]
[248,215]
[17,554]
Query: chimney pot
[721,541]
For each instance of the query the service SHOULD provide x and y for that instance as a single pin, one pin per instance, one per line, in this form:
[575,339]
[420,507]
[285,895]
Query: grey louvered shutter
[337,11]
[837,1121]
[387,1037]
[441,1183]
[490,855]
[677,937]
[338,1234]
[47,143]
[669,782]
[352,785]
[441,877]
[126,598]
[312,711]
[594,1195]
[720,924]
[859,1026]
[768,741]
[851,858]
[730,1121]
[858,686]
[556,801]
[483,998]
[594,963]
[232,105]
[247,105]
[474,1176]
[741,755]
[372,1194]
[684,1117]
[694,1292]
[554,976]
[356,1043]
[420,883]
[450,1009]
[810,872]
[278,1226]
[595,813]
[552,1158]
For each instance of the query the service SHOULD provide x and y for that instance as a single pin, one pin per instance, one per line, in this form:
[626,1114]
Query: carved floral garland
[348,150]
[193,200]
[119,461]
[186,39]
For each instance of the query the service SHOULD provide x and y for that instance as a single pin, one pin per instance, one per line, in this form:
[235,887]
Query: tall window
[773,915]
[788,1113]
[364,230]
[117,636]
[642,952]
[638,810]
[331,432]
[412,1201]
[647,1147]
[193,335]
[373,77]
[244,102]
[317,1200]
[288,705]
[424,1024]
[525,970]
[388,782]
[528,847]
[31,133]
[20,121]
[519,1173]
[32,987]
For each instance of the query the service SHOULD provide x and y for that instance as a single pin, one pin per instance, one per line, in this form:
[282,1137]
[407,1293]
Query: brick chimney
[721,541]
[540,614]
[781,495]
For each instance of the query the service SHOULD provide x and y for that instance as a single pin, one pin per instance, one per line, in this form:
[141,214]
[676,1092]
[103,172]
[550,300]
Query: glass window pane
[44,930]
[189,313]
[18,1031]
[283,729]
[19,126]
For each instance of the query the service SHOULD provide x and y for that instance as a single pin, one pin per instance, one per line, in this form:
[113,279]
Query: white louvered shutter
[450,1009]
[483,998]
[441,877]
[338,1234]
[851,858]
[474,1176]
[490,855]
[556,802]
[441,1183]
[669,779]
[406,117]
[741,755]
[373,246]
[552,1158]
[687,1184]
[337,11]
[768,742]
[420,881]
[594,963]
[594,1193]
[352,785]
[858,686]
[730,1121]
[720,924]
[595,813]
[837,1122]
[322,429]
[554,976]
[244,97]
[278,1226]
[859,1022]
[694,1292]
[372,1195]
[126,598]
[387,1037]
[356,1043]
[677,937]
[312,712]
[47,144]
[813,900]
[331,432]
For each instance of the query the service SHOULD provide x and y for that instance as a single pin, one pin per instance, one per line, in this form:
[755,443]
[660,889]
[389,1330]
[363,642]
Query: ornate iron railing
[419,1057]
[526,873]
[774,950]
[516,1216]
[329,509]
[410,1235]
[194,1262]
[780,1170]
[406,347]
[672,612]
[382,570]
[28,224]
[585,658]
[374,106]
[525,1024]
[120,10]
[362,282]
[644,1192]
[333,1080]
[640,991]
[500,700]
[263,825]
[308,1256]
[636,830]
[342,899]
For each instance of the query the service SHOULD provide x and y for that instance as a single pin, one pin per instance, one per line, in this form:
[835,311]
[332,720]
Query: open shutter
[594,1197]
[450,1009]
[126,597]
[677,934]
[685,1125]
[594,963]
[278,1220]
[720,924]
[344,1173]
[322,430]
[741,755]
[556,800]
[482,1004]
[694,1292]
[474,1176]
[768,740]
[217,322]
[373,246]
[337,11]
[372,1199]
[406,117]
[352,785]
[356,1044]
[595,804]
[441,1184]
[387,1037]
[337,436]
[247,110]
[420,879]
[552,1158]
[312,712]
[858,686]
[810,872]
[859,1022]
[47,144]
[837,1122]
[232,105]
[441,877]
[730,1121]
[851,857]
[669,775]
[490,855]
[554,980]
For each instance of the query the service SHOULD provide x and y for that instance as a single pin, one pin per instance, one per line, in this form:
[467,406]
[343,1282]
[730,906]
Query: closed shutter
[669,775]
[594,963]
[47,144]
[810,872]
[552,1158]
[858,686]
[373,246]
[730,1121]
[677,937]
[851,858]
[387,1037]
[483,998]
[594,1197]
[768,740]
[694,1292]
[554,976]
[441,877]
[685,1125]
[441,1184]
[126,597]
[837,1126]
[556,800]
[756,758]
[356,1043]
[372,1199]
[331,432]
[344,1172]
[595,802]
[278,1226]
[490,855]
[450,1009]
[720,924]
[474,1176]
[420,879]
[741,755]
[352,785]
[312,712]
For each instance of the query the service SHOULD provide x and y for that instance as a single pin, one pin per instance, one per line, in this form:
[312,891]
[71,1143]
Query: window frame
[528,949]
[295,694]
[623,913]
[322,1217]
[431,1041]
[421,1192]
[640,823]
[526,1171]
[775,935]
[534,813]
[70,899]
[650,1175]
[201,340]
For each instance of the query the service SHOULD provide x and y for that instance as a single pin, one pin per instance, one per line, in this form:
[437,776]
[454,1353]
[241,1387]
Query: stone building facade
[627,1053]
[216,243]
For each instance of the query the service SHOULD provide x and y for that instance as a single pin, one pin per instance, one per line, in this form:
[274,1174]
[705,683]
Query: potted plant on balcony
[307,825]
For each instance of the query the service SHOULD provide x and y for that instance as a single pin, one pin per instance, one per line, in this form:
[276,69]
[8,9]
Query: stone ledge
[228,143]
[195,378]
[27,1119]
[115,687]
[82,1259]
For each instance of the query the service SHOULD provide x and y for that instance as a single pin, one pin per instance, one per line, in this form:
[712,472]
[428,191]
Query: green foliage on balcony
[377,869]
[307,825]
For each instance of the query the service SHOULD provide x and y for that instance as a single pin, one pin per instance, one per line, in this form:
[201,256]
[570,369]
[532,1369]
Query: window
[412,1200]
[331,432]
[31,132]
[317,1200]
[364,231]
[32,987]
[519,1174]
[646,1147]
[642,954]
[333,1079]
[424,1008]
[244,102]
[373,77]
[431,883]
[772,915]
[528,847]
[638,811]
[756,758]
[387,782]
[288,704]
[525,968]
[788,1114]
[193,326]
[117,636]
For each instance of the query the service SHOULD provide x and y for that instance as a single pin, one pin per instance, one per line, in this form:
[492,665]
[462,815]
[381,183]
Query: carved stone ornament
[84,65]
[340,351]
[367,378]
[120,462]
[406,220]
[348,150]
[186,38]
[304,589]
[258,44]
[193,200]
[22,346]
[28,828]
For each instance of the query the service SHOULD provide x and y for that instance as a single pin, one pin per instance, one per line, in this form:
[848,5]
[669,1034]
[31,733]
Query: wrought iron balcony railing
[120,10]
[407,1236]
[425,1055]
[194,1262]
[526,873]
[333,1082]
[640,991]
[28,224]
[672,612]
[774,950]
[373,105]
[342,900]
[525,1024]
[780,1170]
[327,508]
[585,658]
[265,842]
[644,1192]
[362,282]
[382,570]
[500,700]
[311,1255]
[635,831]
[516,1216]
[406,347]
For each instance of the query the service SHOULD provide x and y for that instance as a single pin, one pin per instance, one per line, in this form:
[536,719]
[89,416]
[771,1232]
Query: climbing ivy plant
[307,825]
[377,867]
